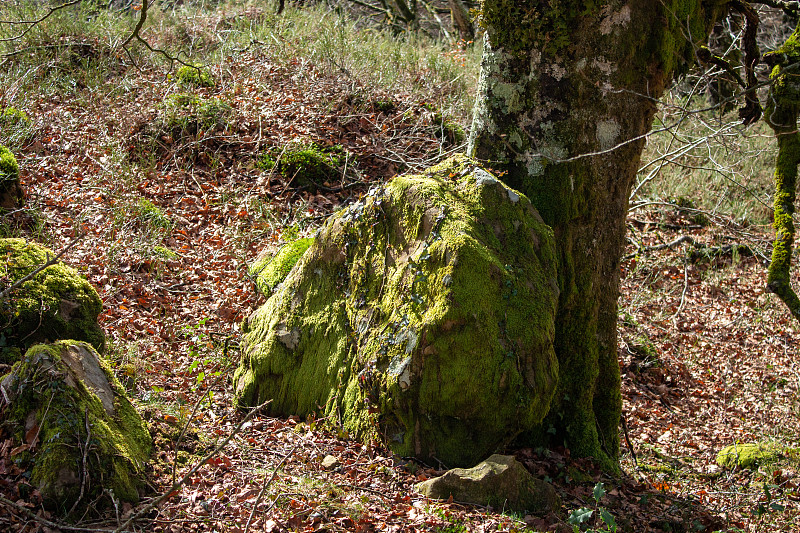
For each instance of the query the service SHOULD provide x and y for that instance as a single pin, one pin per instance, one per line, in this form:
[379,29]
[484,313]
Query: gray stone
[500,481]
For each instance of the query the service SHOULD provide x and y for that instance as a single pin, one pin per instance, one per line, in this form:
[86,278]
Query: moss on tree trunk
[783,105]
[566,94]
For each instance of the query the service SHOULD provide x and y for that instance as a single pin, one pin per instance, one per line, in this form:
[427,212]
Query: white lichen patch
[619,18]
[607,134]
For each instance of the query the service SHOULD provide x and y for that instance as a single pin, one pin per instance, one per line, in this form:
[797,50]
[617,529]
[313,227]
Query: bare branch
[790,8]
[33,23]
[136,34]
[49,523]
[180,483]
[680,240]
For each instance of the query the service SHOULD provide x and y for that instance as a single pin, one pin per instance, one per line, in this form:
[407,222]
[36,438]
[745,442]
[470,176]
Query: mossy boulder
[11,195]
[268,270]
[500,481]
[423,316]
[50,397]
[748,455]
[57,303]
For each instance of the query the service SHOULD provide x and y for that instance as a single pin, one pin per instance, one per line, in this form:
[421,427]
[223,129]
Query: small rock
[500,481]
[330,462]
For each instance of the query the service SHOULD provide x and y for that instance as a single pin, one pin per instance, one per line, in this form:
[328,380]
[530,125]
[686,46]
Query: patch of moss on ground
[749,455]
[190,113]
[305,165]
[9,169]
[57,303]
[196,75]
[269,271]
[11,117]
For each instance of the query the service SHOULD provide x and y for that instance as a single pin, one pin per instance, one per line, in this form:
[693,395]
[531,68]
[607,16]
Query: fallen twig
[266,486]
[640,249]
[180,483]
[50,523]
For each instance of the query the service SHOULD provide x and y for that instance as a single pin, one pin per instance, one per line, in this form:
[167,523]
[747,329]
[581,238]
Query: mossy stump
[57,303]
[73,427]
[421,316]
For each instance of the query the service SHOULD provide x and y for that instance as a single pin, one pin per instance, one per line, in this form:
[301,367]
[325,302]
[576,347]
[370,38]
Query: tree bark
[461,21]
[566,94]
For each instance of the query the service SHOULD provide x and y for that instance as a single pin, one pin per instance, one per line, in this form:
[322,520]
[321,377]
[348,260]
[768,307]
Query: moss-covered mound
[305,165]
[422,315]
[52,396]
[11,196]
[747,455]
[196,75]
[57,303]
[268,271]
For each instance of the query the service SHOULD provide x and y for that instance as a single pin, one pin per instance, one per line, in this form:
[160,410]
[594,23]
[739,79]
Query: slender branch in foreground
[49,262]
[49,523]
[180,483]
[135,34]
[266,486]
[33,23]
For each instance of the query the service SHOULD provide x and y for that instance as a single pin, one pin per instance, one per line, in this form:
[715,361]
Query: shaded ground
[707,357]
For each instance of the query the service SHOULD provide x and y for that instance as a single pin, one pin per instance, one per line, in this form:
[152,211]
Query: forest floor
[171,217]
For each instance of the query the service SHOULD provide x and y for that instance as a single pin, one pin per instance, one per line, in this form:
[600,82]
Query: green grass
[80,47]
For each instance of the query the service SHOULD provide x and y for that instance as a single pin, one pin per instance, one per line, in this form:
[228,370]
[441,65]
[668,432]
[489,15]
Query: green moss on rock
[422,316]
[269,271]
[500,481]
[57,303]
[747,455]
[305,165]
[52,395]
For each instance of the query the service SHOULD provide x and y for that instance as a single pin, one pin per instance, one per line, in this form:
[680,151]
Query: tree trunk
[565,96]
[461,21]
